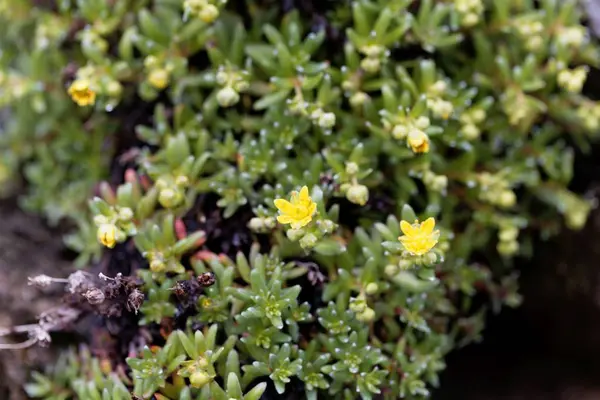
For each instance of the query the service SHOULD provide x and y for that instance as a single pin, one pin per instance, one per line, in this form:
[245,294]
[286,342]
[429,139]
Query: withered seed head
[135,300]
[206,279]
[94,296]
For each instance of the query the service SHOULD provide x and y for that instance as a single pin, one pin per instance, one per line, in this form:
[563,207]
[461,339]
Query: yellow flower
[298,211]
[81,93]
[418,141]
[159,78]
[418,238]
[107,235]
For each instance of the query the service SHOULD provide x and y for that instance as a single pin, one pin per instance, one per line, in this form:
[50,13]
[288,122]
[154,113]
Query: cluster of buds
[589,113]
[114,225]
[437,183]
[435,103]
[495,190]
[470,11]
[470,120]
[359,306]
[158,74]
[374,54]
[507,240]
[299,106]
[92,81]
[355,192]
[532,33]
[517,106]
[262,224]
[571,36]
[572,80]
[203,9]
[413,131]
[232,83]
[171,190]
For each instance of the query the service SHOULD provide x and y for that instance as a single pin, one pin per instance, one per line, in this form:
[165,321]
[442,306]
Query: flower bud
[327,120]
[227,97]
[507,198]
[308,241]
[367,315]
[399,131]
[470,132]
[418,141]
[358,194]
[106,235]
[371,65]
[508,248]
[371,288]
[114,89]
[157,265]
[169,197]
[125,214]
[159,78]
[199,379]
[429,259]
[508,234]
[422,122]
[391,269]
[294,234]
[256,224]
[209,13]
[358,99]
[269,222]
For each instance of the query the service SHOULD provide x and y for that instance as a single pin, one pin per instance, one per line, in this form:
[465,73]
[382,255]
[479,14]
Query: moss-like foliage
[307,198]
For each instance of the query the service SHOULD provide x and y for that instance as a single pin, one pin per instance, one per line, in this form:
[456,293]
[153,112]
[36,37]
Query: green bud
[209,13]
[269,222]
[351,168]
[507,198]
[391,269]
[327,120]
[429,259]
[227,97]
[199,379]
[125,214]
[358,99]
[508,248]
[405,264]
[308,241]
[367,315]
[576,219]
[294,234]
[371,65]
[371,288]
[256,224]
[358,194]
[157,265]
[114,89]
[400,131]
[170,198]
[508,234]
[357,305]
[326,225]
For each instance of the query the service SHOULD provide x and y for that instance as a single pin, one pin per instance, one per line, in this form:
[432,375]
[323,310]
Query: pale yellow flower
[418,141]
[159,78]
[81,93]
[298,211]
[419,239]
[107,235]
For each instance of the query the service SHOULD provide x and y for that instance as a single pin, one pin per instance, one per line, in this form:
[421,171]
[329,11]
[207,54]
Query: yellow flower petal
[407,228]
[284,206]
[427,226]
[304,197]
[284,219]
